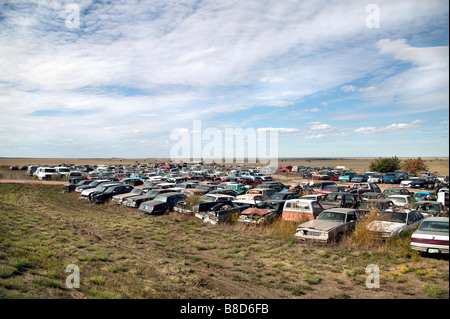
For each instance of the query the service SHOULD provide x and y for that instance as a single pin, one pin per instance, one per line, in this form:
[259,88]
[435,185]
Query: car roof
[437,219]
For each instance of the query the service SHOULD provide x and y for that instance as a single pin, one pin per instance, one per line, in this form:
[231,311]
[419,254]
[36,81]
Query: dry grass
[123,253]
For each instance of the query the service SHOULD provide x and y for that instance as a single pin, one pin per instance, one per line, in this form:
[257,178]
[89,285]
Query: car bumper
[431,249]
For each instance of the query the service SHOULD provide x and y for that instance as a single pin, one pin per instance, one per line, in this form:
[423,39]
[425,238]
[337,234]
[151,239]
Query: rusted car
[263,213]
[299,210]
[330,226]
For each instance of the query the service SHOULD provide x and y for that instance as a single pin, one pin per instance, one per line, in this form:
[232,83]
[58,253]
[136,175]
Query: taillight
[429,241]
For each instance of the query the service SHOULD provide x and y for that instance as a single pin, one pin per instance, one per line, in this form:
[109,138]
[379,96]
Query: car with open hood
[264,212]
[330,226]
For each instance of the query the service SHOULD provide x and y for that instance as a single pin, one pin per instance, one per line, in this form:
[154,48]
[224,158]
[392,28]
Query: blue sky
[132,71]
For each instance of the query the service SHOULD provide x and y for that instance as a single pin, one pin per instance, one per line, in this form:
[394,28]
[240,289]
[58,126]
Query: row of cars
[321,217]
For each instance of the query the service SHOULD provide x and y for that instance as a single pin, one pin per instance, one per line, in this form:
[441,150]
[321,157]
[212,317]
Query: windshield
[393,217]
[427,207]
[437,226]
[161,198]
[332,198]
[332,216]
[136,191]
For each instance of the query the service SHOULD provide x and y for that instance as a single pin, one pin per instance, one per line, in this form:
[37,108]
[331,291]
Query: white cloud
[321,126]
[313,110]
[279,130]
[348,88]
[389,128]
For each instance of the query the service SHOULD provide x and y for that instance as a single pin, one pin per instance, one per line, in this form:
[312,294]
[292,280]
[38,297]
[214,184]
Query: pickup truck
[395,177]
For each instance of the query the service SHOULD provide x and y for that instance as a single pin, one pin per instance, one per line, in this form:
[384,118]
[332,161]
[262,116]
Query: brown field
[435,164]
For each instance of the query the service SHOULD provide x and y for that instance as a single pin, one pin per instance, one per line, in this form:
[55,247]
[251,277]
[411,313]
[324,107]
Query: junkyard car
[94,184]
[218,212]
[360,178]
[344,200]
[332,189]
[284,195]
[299,210]
[361,188]
[423,195]
[433,208]
[264,212]
[418,183]
[329,226]
[347,177]
[162,203]
[375,205]
[316,197]
[402,200]
[431,236]
[137,191]
[108,193]
[395,177]
[72,186]
[396,191]
[375,178]
[393,223]
[99,189]
[136,201]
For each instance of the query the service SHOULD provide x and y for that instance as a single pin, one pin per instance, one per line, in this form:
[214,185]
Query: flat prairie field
[435,164]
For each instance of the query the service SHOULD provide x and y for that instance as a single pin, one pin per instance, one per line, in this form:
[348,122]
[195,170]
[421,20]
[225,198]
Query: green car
[347,177]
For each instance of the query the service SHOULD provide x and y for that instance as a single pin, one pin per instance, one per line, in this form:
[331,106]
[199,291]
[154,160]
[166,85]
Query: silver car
[431,236]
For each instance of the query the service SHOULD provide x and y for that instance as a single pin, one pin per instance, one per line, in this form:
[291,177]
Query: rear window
[437,226]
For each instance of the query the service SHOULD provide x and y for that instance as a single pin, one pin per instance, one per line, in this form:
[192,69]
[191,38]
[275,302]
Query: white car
[392,223]
[431,236]
[376,178]
[45,172]
[401,200]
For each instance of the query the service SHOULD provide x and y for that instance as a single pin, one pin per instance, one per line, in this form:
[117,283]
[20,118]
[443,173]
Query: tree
[414,166]
[385,165]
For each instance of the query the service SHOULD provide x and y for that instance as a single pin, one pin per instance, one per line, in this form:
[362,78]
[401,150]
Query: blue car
[422,195]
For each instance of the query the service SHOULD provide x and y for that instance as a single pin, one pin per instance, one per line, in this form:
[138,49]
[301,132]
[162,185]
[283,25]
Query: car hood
[384,226]
[325,225]
[256,211]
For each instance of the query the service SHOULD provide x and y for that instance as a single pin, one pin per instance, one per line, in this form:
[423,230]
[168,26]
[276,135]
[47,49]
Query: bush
[385,165]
